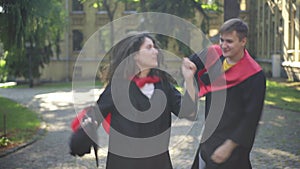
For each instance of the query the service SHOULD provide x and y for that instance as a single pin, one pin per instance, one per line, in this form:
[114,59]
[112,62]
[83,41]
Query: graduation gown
[244,97]
[133,129]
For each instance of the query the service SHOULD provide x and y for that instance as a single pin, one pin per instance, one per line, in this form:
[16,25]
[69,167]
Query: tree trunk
[231,9]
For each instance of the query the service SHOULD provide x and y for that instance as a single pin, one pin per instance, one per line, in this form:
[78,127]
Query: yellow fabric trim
[226,65]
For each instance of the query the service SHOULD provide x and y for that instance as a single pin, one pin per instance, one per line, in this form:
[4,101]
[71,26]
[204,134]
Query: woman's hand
[188,69]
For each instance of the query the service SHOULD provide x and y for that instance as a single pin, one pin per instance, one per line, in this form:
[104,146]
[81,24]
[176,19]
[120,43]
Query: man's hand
[223,152]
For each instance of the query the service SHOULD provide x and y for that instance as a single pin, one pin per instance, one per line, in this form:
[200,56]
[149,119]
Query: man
[234,86]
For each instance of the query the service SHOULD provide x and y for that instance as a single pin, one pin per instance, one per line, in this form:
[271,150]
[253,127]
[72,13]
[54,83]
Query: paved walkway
[277,145]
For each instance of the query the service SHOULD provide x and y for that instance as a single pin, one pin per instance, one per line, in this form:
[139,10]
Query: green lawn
[21,123]
[283,94]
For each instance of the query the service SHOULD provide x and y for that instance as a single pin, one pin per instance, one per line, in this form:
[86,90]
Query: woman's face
[146,57]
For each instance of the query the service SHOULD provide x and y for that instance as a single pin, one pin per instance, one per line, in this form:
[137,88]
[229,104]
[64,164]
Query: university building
[82,22]
[273,37]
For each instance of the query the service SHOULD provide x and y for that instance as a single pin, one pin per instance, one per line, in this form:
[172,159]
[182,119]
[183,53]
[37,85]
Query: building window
[77,6]
[77,40]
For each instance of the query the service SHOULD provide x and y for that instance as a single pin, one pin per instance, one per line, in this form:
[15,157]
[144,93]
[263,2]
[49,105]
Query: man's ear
[244,41]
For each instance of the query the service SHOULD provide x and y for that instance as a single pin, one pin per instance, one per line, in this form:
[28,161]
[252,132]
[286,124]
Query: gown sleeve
[105,102]
[197,59]
[182,105]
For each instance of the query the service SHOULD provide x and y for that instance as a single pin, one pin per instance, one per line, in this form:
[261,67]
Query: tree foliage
[30,28]
[182,8]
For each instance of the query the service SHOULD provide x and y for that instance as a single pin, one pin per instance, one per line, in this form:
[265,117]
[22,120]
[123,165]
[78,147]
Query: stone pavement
[277,144]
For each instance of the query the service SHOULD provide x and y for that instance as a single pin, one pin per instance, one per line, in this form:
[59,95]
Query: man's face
[232,46]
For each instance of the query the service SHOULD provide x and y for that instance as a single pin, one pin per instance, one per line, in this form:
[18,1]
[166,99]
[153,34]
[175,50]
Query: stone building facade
[273,37]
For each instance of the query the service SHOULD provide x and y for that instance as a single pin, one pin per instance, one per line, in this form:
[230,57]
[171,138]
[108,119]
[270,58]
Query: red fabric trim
[239,72]
[76,121]
[106,123]
[140,82]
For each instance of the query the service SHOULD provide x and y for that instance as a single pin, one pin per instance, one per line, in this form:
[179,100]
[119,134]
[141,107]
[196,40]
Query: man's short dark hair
[235,24]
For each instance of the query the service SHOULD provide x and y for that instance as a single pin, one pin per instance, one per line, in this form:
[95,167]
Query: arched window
[77,40]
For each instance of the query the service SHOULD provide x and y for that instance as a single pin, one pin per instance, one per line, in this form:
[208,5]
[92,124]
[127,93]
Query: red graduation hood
[238,73]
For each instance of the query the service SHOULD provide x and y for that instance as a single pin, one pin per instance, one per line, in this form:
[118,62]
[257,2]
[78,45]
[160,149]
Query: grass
[21,123]
[283,94]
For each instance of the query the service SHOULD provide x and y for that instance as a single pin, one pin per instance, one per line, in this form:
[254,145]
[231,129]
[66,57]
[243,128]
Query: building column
[297,34]
[285,16]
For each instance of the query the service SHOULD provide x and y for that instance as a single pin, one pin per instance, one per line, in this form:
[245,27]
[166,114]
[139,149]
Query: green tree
[185,9]
[182,8]
[110,6]
[30,33]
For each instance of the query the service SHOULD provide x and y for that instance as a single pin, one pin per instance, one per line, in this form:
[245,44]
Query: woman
[140,99]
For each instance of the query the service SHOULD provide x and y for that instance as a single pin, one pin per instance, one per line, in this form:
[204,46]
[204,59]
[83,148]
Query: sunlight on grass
[7,84]
[21,123]
[179,88]
[270,103]
[287,99]
[280,94]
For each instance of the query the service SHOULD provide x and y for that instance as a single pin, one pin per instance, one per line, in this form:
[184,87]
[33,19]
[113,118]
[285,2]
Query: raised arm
[188,71]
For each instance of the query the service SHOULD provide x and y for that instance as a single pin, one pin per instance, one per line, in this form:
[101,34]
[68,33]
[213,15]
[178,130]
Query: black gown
[132,129]
[238,123]
[241,110]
